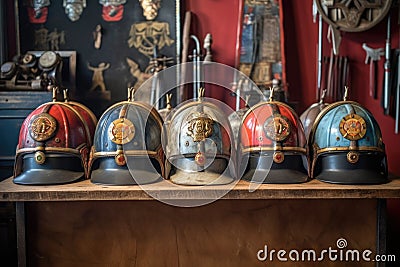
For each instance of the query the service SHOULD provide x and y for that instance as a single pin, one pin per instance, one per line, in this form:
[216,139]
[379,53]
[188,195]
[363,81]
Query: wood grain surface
[85,190]
[224,233]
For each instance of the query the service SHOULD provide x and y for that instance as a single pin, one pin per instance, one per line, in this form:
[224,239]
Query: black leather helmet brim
[57,169]
[283,176]
[47,177]
[261,169]
[109,173]
[371,168]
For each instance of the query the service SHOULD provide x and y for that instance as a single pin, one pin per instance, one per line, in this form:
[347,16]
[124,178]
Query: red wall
[220,17]
[301,38]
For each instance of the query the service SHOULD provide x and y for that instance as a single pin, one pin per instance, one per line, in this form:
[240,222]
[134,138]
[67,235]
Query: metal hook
[247,99]
[321,100]
[201,93]
[65,93]
[55,90]
[271,94]
[168,99]
[131,94]
[346,93]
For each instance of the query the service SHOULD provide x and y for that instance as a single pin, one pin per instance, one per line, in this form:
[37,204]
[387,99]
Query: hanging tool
[396,125]
[372,55]
[335,38]
[319,48]
[330,76]
[154,83]
[386,85]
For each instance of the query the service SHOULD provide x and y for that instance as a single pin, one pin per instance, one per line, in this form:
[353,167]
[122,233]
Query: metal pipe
[386,87]
[196,65]
[320,27]
[397,114]
[238,89]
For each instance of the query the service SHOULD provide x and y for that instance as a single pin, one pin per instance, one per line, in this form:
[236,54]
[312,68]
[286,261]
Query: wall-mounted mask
[74,8]
[113,10]
[37,10]
[150,8]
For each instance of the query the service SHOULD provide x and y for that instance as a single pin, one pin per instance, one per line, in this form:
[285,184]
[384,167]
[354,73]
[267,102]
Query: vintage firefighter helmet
[127,146]
[308,117]
[346,146]
[272,145]
[199,143]
[53,146]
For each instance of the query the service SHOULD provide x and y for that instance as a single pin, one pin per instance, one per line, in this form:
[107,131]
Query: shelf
[85,190]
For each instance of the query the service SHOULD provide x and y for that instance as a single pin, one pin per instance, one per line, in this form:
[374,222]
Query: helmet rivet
[352,157]
[57,140]
[120,159]
[260,138]
[40,157]
[337,138]
[187,143]
[200,159]
[278,157]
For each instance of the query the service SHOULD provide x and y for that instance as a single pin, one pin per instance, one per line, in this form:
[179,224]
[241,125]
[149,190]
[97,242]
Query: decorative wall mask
[113,10]
[37,10]
[74,8]
[150,8]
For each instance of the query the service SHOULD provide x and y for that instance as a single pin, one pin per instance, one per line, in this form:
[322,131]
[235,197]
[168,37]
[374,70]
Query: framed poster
[262,57]
[115,41]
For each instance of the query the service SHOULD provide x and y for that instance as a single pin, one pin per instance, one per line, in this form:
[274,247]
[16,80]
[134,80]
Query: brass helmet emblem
[353,127]
[277,127]
[42,127]
[121,131]
[200,128]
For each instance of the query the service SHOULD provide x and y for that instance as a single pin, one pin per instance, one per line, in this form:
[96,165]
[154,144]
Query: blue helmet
[127,145]
[346,146]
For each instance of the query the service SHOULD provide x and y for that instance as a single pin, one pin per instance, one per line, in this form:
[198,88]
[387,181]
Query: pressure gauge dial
[48,59]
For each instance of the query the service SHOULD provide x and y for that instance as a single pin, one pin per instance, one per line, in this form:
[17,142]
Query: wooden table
[83,224]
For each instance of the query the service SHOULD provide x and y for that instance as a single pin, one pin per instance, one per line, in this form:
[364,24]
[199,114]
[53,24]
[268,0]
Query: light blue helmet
[346,146]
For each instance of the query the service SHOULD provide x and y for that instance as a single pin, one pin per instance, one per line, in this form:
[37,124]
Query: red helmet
[53,146]
[272,147]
